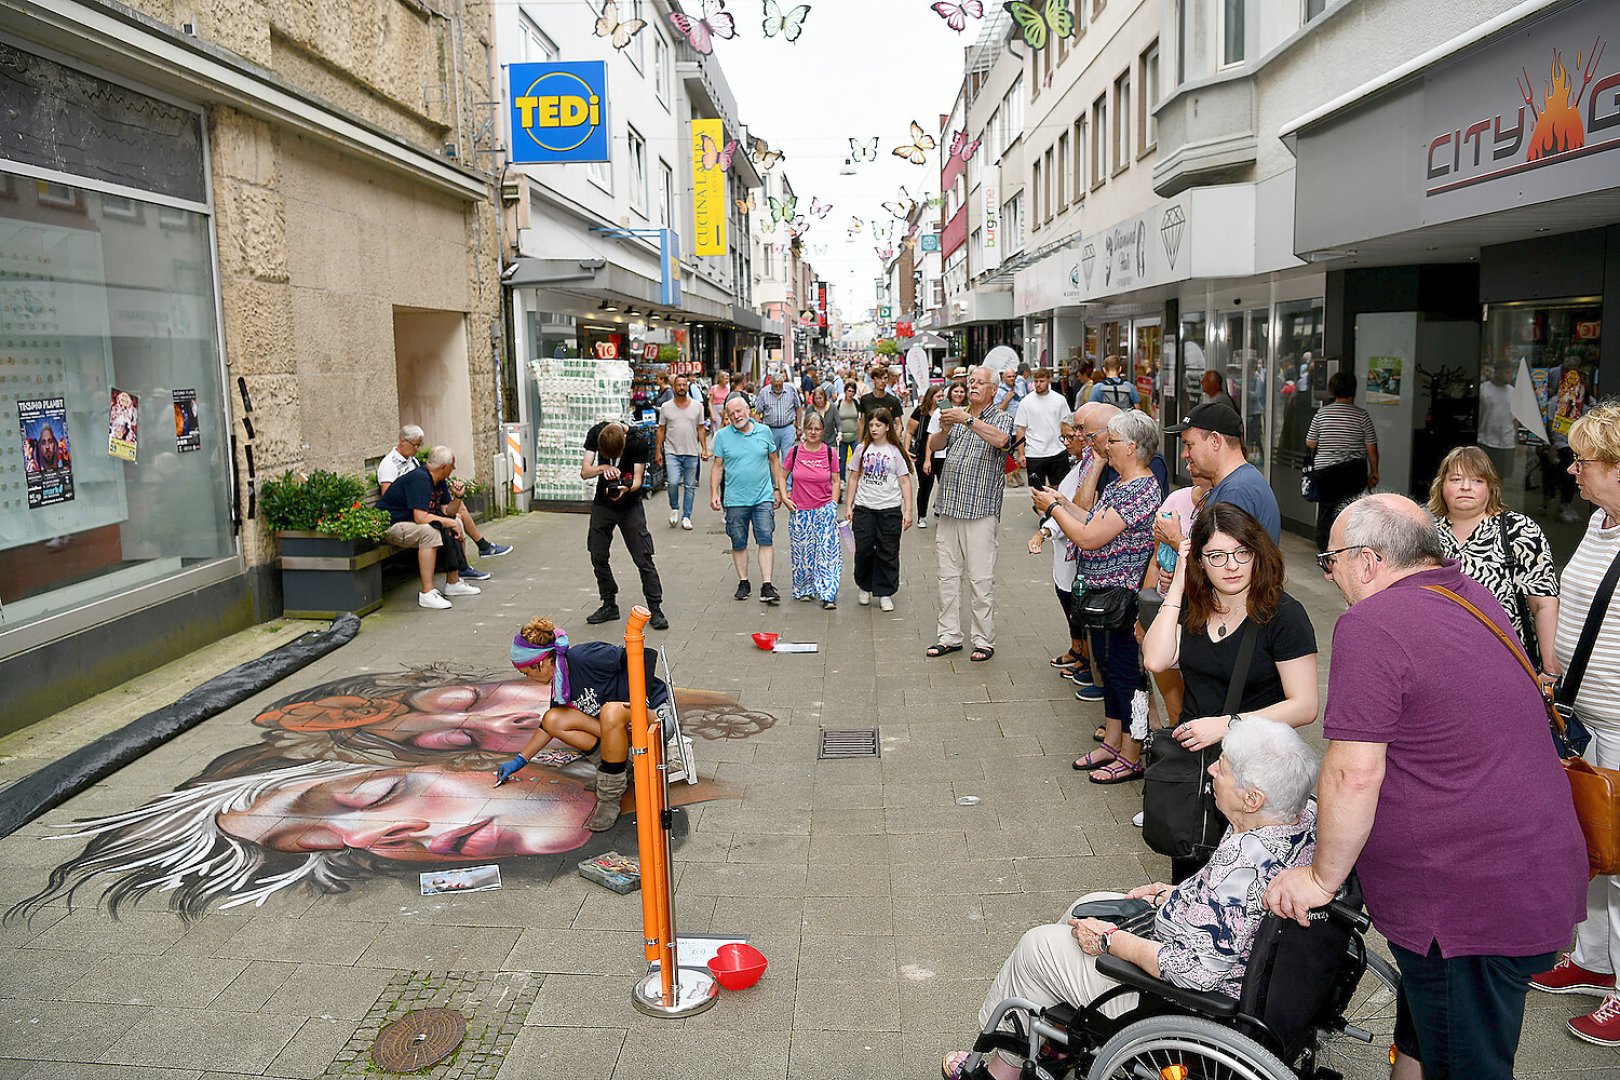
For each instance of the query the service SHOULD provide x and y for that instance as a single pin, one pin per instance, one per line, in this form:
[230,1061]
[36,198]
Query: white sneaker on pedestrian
[1137,820]
[460,588]
[674,518]
[686,523]
[886,603]
[432,599]
[922,523]
[864,598]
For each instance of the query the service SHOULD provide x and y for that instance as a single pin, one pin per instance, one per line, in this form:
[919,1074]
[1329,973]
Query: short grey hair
[412,434]
[1269,756]
[1140,429]
[440,457]
[1405,536]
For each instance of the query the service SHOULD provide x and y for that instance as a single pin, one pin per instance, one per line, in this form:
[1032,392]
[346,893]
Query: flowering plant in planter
[355,522]
[298,503]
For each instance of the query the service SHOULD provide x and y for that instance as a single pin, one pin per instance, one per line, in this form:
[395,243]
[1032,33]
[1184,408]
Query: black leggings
[925,488]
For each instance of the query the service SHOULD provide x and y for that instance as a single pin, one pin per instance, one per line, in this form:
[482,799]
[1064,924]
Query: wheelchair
[1316,1004]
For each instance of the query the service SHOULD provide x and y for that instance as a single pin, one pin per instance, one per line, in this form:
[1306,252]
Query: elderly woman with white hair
[1115,542]
[1203,929]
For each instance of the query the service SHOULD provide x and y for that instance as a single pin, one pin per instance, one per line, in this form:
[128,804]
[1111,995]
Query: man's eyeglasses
[1324,559]
[1218,558]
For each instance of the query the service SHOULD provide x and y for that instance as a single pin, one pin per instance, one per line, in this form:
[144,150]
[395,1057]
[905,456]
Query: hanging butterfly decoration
[821,249]
[902,207]
[885,252]
[916,151]
[1042,21]
[716,156]
[854,226]
[798,227]
[862,149]
[748,205]
[783,209]
[700,33]
[956,15]
[763,156]
[608,25]
[962,148]
[882,230]
[818,209]
[789,23]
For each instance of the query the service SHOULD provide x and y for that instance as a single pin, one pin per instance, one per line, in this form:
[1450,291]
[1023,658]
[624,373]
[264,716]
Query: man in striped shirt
[780,408]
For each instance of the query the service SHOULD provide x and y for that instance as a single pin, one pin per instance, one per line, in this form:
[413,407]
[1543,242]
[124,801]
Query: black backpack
[1297,977]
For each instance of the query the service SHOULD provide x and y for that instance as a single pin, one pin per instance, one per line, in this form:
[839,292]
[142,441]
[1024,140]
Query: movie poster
[186,435]
[123,424]
[47,459]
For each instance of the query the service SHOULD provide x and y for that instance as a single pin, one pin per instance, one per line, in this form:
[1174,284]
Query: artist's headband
[526,655]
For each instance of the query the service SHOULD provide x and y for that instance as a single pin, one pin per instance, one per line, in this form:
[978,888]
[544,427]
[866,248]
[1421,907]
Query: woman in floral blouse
[1204,928]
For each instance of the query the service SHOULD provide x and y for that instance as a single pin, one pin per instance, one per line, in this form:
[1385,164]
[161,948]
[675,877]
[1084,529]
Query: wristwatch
[1102,940]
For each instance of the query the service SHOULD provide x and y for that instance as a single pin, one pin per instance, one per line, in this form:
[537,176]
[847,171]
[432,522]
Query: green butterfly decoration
[1039,21]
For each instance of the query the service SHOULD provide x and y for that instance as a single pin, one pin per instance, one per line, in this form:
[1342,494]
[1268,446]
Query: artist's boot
[610,788]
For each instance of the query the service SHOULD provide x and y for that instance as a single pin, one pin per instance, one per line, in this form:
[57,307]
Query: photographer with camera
[616,458]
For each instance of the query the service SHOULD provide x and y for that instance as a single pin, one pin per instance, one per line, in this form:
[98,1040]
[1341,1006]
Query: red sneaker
[1601,1027]
[1568,977]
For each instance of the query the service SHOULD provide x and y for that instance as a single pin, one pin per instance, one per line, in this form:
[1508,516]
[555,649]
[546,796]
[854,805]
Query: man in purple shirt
[1441,788]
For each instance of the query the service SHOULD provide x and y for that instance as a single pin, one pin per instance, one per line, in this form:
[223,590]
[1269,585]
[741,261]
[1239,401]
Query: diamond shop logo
[1171,226]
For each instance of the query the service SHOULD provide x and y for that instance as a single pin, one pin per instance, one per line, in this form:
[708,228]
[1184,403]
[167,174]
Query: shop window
[115,475]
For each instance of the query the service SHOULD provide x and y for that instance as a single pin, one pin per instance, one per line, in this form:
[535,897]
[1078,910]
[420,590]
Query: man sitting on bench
[424,508]
[401,460]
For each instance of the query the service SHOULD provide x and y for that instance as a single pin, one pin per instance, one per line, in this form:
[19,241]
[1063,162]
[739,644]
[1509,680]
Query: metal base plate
[695,991]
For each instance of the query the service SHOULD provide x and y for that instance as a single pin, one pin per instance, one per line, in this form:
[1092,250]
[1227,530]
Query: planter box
[322,576]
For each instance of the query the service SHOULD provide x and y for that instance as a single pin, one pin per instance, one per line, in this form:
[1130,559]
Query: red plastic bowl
[738,966]
[765,641]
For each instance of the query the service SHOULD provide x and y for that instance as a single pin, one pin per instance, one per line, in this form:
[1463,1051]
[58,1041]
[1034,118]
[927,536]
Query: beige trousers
[966,548]
[1047,967]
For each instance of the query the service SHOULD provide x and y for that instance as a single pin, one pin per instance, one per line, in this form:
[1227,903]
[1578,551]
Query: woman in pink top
[717,398]
[817,558]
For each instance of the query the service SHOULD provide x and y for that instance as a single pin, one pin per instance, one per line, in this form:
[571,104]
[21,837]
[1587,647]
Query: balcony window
[1232,36]
[1124,117]
[1150,97]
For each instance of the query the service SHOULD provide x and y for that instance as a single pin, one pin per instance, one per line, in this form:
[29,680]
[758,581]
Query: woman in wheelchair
[1202,930]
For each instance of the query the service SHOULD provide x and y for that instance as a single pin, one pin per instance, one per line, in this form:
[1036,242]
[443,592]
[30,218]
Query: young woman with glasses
[1230,573]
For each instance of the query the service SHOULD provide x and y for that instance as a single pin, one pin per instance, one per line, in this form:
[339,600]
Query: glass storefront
[1297,388]
[1147,343]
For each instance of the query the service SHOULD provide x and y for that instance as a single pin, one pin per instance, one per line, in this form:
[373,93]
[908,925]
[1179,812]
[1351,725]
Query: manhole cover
[848,743]
[418,1039]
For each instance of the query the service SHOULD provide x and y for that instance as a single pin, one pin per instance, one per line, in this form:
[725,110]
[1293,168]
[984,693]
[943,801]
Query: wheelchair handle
[1343,912]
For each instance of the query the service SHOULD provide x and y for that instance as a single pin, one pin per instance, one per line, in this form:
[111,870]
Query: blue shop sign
[559,112]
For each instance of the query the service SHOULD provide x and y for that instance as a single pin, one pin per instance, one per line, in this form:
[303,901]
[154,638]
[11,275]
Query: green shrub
[356,522]
[297,503]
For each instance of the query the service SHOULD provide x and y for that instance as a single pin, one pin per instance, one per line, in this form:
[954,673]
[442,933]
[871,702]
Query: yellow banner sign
[709,162]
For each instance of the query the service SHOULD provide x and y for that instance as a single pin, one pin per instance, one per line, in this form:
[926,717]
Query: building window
[535,46]
[638,44]
[1099,141]
[1012,223]
[1232,38]
[767,270]
[1063,175]
[1124,117]
[601,172]
[638,172]
[1096,7]
[666,195]
[1035,195]
[1180,12]
[1080,159]
[661,70]
[1149,82]
[1313,8]
[1046,192]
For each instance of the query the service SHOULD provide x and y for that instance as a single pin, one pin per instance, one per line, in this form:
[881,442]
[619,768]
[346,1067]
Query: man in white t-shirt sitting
[1040,430]
[401,460]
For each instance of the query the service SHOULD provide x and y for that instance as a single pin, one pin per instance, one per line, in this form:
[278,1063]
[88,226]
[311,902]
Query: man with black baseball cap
[1212,446]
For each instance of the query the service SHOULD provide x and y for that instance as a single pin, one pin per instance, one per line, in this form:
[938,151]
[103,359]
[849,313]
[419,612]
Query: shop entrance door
[1239,356]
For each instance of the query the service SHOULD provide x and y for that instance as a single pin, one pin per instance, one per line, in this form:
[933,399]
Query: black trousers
[1335,486]
[877,550]
[1047,471]
[452,557]
[1461,1017]
[925,489]
[631,521]
[939,482]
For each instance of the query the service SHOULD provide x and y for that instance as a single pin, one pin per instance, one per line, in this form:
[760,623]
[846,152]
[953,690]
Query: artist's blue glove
[509,770]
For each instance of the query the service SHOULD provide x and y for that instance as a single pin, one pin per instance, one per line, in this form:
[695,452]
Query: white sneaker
[674,518]
[686,523]
[864,598]
[922,523]
[461,588]
[885,603]
[1137,820]
[432,599]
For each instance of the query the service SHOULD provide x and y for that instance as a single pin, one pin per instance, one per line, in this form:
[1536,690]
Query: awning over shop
[595,279]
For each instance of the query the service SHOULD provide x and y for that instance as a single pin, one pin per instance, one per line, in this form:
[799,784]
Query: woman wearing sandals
[1115,539]
[1229,572]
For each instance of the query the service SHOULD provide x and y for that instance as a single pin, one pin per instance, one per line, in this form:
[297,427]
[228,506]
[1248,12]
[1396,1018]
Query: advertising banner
[991,184]
[47,458]
[559,112]
[708,189]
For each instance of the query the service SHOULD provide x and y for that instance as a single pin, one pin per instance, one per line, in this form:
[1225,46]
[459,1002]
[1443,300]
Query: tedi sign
[559,112]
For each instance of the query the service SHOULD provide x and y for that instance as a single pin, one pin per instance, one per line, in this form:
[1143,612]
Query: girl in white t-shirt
[879,505]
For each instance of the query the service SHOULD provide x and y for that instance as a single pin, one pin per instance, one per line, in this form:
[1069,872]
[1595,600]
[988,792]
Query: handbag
[1179,816]
[1110,608]
[1010,466]
[1596,791]
[1134,916]
[1307,479]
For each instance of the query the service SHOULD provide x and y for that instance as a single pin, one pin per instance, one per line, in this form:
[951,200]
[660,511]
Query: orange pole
[646,748]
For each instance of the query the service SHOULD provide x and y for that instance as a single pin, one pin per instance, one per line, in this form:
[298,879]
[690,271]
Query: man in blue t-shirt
[1212,446]
[745,457]
[423,512]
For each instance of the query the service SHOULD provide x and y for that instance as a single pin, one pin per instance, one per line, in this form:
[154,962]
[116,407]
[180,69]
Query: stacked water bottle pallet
[575,394]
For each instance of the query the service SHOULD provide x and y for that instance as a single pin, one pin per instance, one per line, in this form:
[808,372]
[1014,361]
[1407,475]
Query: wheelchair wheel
[1185,1048]
[1372,1009]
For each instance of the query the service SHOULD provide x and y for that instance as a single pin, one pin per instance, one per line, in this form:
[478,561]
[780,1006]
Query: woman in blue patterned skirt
[817,558]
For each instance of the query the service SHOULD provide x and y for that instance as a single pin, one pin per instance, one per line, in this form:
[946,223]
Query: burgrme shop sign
[559,112]
[1531,117]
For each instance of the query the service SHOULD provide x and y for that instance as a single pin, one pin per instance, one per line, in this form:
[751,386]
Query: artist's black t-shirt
[1206,665]
[637,451]
[414,490]
[597,675]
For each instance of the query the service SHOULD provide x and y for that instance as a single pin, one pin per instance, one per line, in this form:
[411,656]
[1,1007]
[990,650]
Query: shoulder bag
[1511,566]
[1179,816]
[1596,791]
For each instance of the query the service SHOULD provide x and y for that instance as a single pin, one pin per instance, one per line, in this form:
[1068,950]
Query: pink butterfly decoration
[956,15]
[715,23]
[962,148]
[819,209]
[716,155]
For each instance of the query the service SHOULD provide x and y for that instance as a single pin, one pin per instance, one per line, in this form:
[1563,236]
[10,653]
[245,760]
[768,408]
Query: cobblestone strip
[494,1004]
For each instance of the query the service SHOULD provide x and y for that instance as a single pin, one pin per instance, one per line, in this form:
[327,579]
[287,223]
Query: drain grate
[848,743]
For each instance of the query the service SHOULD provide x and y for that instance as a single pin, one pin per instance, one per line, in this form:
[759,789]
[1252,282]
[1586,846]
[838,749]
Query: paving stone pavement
[883,905]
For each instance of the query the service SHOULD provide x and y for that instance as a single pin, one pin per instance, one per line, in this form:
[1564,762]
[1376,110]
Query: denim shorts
[762,516]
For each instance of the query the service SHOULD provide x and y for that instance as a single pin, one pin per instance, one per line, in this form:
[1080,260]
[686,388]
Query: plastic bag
[846,537]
